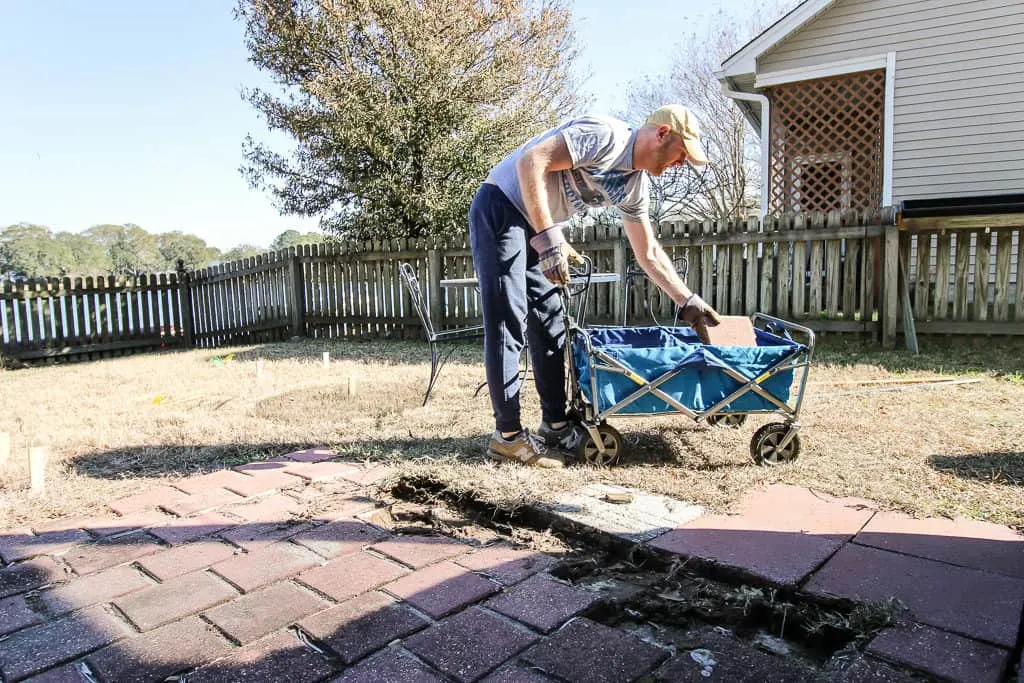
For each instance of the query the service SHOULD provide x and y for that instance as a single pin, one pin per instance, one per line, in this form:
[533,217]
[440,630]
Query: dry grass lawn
[114,427]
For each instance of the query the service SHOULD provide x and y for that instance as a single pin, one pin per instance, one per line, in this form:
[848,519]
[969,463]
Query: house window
[826,143]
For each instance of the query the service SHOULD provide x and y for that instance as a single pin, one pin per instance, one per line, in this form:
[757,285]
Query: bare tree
[729,187]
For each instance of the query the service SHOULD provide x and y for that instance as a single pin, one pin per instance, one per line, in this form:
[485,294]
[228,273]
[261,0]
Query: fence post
[296,294]
[434,288]
[890,285]
[185,294]
[619,293]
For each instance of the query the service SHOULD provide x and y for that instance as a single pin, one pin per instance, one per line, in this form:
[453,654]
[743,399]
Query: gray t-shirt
[602,171]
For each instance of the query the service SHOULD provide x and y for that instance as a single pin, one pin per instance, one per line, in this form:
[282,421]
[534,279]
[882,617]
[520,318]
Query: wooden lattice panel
[826,143]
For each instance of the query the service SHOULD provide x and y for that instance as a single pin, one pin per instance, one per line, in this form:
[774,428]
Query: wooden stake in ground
[37,468]
[5,449]
[351,386]
[327,359]
[259,367]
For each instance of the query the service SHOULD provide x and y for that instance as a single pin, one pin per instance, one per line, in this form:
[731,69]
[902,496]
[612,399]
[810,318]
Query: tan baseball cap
[684,124]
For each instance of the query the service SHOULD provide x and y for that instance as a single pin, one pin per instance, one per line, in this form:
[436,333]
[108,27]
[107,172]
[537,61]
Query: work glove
[555,255]
[696,313]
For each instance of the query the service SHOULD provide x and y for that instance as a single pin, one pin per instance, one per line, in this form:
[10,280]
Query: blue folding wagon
[666,370]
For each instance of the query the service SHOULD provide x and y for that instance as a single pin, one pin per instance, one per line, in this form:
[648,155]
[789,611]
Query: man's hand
[696,313]
[555,255]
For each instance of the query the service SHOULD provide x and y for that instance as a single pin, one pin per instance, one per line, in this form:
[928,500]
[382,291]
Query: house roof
[744,60]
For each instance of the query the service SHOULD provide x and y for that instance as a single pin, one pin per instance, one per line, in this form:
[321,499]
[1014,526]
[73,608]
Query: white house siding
[959,96]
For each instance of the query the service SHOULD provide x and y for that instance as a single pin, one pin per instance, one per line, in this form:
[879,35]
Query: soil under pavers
[310,572]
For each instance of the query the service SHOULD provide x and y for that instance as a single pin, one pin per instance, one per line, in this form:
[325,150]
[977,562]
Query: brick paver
[340,538]
[278,561]
[261,483]
[184,559]
[389,665]
[516,675]
[38,648]
[586,651]
[942,654]
[212,480]
[968,543]
[542,602]
[780,557]
[732,660]
[469,644]
[361,625]
[352,575]
[506,564]
[24,547]
[95,588]
[320,471]
[158,654]
[147,499]
[966,601]
[190,528]
[442,588]
[419,551]
[264,611]
[279,657]
[781,507]
[180,597]
[260,535]
[262,467]
[93,557]
[202,501]
[112,526]
[277,508]
[343,507]
[864,669]
[63,674]
[310,455]
[24,576]
[366,476]
[15,614]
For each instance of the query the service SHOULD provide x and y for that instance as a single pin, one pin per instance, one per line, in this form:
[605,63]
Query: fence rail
[836,272]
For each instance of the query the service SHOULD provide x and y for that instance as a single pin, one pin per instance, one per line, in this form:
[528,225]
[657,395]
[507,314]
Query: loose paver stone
[946,655]
[389,665]
[543,602]
[586,651]
[506,564]
[441,588]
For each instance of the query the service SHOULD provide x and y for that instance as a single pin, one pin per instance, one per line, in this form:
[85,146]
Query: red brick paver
[734,660]
[213,480]
[279,657]
[506,564]
[352,575]
[264,611]
[28,575]
[968,543]
[278,561]
[587,651]
[94,557]
[361,625]
[202,501]
[190,528]
[24,547]
[469,644]
[277,508]
[184,559]
[442,588]
[542,602]
[516,675]
[260,535]
[158,654]
[419,551]
[340,538]
[310,455]
[261,483]
[95,588]
[38,648]
[147,499]
[966,601]
[942,654]
[112,526]
[180,597]
[389,665]
[782,507]
[320,471]
[15,614]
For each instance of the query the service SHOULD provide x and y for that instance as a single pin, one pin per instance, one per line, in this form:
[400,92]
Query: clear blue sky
[129,111]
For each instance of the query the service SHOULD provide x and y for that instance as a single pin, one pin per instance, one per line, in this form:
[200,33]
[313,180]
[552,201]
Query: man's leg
[546,333]
[499,256]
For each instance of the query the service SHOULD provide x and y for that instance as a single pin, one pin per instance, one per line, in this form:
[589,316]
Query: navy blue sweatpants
[518,304]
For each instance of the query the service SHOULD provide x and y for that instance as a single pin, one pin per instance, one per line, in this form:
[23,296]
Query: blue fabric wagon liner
[701,379]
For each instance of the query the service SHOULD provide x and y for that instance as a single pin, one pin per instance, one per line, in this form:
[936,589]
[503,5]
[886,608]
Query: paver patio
[217,577]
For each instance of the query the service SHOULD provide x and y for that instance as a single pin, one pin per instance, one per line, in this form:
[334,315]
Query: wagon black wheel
[734,420]
[587,449]
[765,445]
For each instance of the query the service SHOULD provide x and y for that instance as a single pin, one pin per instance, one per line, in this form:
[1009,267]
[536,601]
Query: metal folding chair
[434,338]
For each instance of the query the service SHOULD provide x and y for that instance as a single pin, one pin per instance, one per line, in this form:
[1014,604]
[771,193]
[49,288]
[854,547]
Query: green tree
[193,250]
[87,257]
[242,251]
[399,108]
[290,238]
[31,250]
[129,248]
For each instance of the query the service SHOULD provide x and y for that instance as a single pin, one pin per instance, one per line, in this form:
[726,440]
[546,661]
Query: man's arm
[654,261]
[548,156]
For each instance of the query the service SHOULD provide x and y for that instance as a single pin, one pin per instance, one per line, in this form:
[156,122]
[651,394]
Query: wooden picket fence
[839,272]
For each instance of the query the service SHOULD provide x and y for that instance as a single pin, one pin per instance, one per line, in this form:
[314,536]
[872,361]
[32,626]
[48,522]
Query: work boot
[524,448]
[567,437]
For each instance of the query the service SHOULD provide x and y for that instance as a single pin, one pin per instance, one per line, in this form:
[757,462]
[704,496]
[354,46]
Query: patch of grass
[116,426]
